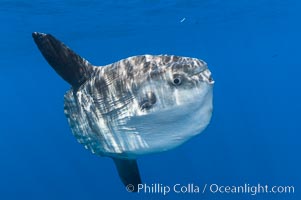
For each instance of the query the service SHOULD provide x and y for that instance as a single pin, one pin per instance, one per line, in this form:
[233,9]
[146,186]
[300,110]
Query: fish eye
[177,81]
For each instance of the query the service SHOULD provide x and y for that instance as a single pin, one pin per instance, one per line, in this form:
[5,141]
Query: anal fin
[128,172]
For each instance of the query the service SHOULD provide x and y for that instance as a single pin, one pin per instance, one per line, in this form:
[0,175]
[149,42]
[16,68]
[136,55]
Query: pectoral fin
[128,172]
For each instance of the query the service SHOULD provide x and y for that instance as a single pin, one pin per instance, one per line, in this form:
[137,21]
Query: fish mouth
[204,75]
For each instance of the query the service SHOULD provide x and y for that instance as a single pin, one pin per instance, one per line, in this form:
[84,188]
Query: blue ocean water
[252,48]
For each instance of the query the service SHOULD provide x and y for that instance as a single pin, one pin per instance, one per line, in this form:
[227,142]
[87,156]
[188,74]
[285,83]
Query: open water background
[252,48]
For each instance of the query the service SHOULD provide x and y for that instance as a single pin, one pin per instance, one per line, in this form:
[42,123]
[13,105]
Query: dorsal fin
[70,66]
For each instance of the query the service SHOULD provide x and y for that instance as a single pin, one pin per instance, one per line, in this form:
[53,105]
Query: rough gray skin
[136,106]
[99,110]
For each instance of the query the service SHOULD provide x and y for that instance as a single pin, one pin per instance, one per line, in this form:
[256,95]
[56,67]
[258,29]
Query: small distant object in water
[275,55]
[182,20]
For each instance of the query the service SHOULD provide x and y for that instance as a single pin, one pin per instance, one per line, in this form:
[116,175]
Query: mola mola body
[136,106]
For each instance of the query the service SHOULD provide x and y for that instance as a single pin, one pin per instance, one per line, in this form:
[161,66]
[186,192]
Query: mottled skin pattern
[139,105]
[101,111]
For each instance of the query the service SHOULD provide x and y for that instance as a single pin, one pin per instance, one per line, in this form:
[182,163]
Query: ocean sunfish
[139,105]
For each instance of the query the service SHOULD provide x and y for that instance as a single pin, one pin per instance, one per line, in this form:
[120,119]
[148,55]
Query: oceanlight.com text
[250,189]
